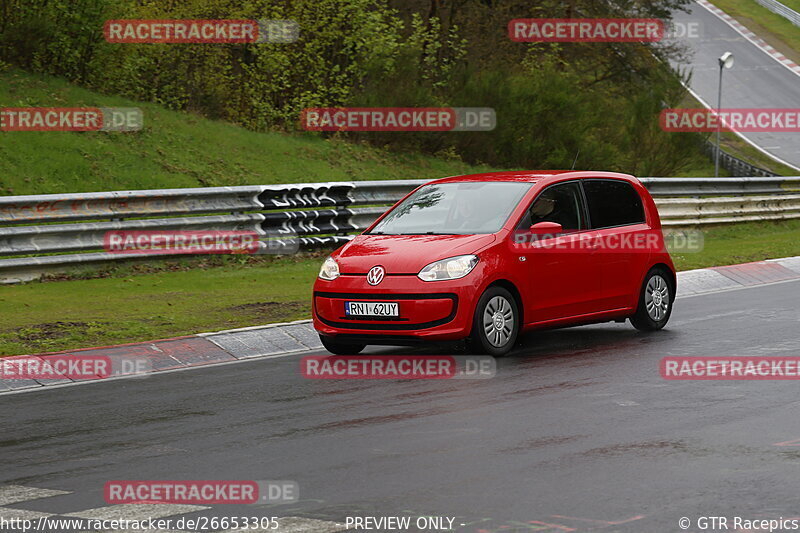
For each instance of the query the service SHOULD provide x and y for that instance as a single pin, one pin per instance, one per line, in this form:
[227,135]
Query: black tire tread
[641,320]
[477,342]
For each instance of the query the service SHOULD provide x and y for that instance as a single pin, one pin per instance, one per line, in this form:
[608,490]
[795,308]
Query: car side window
[613,203]
[560,203]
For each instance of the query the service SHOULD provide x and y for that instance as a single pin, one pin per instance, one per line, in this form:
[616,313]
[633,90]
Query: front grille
[389,325]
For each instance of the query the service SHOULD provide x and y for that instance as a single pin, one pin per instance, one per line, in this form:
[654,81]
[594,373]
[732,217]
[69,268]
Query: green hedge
[553,102]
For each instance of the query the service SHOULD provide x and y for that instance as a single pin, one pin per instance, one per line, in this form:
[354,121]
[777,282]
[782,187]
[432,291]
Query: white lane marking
[136,511]
[7,513]
[19,493]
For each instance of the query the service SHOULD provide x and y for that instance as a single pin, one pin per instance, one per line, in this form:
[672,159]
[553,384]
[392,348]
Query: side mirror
[547,228]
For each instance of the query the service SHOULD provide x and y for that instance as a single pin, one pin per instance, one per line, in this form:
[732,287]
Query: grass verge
[140,303]
[743,243]
[148,303]
[176,149]
[738,147]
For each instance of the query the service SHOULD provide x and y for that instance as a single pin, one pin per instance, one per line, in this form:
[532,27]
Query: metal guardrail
[735,166]
[742,186]
[57,232]
[782,10]
[676,212]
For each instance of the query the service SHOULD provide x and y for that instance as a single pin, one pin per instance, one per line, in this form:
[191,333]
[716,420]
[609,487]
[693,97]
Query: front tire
[495,325]
[655,301]
[341,348]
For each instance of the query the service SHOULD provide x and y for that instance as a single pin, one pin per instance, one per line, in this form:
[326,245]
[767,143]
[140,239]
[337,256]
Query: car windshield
[457,208]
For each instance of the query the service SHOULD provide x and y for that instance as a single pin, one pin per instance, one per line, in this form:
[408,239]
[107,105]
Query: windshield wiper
[429,233]
[415,233]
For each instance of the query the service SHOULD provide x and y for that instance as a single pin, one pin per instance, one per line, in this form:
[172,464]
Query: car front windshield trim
[454,208]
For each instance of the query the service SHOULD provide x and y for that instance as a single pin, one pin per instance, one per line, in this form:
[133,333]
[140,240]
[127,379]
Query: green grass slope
[177,149]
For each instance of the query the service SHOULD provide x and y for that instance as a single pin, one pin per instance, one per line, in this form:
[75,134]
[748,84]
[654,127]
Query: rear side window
[613,203]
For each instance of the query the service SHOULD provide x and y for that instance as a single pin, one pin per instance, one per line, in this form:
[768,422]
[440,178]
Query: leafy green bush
[553,102]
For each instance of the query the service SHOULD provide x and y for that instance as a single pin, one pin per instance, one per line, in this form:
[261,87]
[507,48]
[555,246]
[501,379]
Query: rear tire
[655,301]
[495,325]
[341,348]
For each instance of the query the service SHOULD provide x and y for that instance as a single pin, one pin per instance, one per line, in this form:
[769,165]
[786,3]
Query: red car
[487,256]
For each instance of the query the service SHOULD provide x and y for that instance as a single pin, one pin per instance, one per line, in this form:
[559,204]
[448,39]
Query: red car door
[556,267]
[621,242]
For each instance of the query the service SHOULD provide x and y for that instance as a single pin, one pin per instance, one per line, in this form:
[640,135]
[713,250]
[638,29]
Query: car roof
[534,176]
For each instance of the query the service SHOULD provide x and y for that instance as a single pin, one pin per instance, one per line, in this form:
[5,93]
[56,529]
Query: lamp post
[725,61]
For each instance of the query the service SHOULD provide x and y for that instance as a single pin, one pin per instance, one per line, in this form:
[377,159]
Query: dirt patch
[273,311]
[143,266]
[50,330]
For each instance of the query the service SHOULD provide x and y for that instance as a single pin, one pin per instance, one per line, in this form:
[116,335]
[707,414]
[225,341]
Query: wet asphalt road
[755,81]
[576,424]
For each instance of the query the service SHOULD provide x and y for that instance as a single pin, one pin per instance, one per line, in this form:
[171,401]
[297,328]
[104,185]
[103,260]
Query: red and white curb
[750,36]
[180,353]
[281,340]
[715,279]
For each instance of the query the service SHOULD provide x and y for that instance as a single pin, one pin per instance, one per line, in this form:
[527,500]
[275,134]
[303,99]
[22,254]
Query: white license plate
[372,309]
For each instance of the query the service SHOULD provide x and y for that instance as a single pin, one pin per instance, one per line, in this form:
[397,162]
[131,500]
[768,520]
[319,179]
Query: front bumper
[438,310]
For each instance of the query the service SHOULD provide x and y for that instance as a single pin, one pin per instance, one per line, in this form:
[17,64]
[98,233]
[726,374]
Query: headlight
[329,270]
[452,268]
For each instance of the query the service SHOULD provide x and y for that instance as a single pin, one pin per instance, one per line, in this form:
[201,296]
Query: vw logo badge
[375,275]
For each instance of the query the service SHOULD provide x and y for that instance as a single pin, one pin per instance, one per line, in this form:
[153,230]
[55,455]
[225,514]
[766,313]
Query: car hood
[405,254]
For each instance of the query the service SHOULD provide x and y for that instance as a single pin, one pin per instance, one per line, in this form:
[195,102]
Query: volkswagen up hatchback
[487,256]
